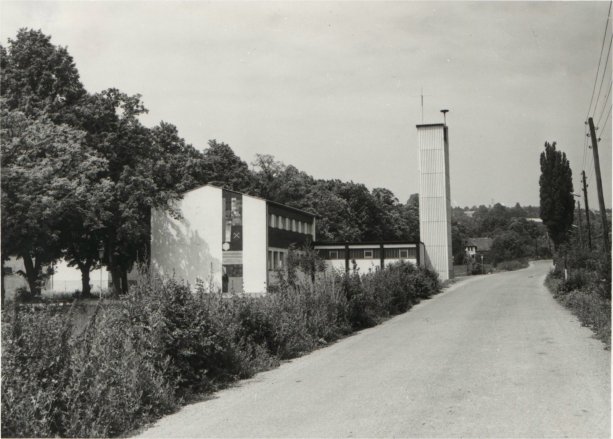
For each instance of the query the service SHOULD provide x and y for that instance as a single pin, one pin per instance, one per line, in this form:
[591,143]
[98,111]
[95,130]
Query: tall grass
[141,357]
[585,288]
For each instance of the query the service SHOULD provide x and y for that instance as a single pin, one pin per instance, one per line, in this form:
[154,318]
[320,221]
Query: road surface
[493,356]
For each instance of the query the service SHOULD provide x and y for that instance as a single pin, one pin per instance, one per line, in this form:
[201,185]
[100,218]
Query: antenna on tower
[422,105]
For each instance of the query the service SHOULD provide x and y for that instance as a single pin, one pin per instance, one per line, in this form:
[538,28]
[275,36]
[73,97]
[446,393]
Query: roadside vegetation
[161,345]
[581,277]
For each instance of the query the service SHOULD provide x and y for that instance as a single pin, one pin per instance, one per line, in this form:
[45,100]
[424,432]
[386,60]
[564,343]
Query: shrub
[137,358]
[587,289]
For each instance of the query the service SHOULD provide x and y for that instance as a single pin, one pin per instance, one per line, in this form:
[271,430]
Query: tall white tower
[434,198]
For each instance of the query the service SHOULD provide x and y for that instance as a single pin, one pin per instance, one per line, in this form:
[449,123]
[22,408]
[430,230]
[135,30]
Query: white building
[226,240]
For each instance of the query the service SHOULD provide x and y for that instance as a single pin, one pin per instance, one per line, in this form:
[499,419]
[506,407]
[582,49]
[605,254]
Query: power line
[599,59]
[606,64]
[606,120]
[604,104]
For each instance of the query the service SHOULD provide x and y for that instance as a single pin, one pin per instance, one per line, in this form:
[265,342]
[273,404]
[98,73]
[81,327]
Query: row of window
[389,253]
[276,259]
[282,223]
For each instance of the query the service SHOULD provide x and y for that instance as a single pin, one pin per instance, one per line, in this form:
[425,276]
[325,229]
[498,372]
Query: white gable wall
[190,248]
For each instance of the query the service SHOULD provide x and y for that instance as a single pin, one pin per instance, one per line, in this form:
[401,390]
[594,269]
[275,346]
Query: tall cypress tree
[556,193]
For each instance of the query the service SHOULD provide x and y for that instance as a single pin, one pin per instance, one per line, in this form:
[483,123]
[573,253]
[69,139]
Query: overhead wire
[604,104]
[599,60]
[604,71]
[588,157]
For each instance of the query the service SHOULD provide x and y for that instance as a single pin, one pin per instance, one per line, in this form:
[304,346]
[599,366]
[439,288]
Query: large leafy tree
[89,172]
[48,175]
[556,194]
[219,165]
[146,169]
[39,78]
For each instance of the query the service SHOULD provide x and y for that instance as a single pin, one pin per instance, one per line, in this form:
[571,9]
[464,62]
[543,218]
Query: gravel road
[493,356]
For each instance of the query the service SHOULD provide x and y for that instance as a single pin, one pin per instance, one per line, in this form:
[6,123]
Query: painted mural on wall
[232,233]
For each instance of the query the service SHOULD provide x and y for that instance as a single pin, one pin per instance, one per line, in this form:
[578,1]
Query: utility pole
[587,212]
[579,221]
[603,213]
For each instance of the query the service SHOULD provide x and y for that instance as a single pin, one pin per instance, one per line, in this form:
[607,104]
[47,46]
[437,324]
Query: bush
[587,289]
[141,356]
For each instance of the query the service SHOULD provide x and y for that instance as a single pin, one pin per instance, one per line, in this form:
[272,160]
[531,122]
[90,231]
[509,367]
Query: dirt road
[493,356]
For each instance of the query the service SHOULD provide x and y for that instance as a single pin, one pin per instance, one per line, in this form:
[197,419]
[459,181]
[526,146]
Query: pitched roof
[482,244]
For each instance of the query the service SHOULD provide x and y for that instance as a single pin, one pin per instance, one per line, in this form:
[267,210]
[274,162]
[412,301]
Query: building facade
[364,257]
[435,198]
[226,240]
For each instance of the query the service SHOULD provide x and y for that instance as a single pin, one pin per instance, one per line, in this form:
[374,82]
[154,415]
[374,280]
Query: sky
[334,88]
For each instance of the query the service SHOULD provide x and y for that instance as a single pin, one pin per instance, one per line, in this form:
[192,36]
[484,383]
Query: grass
[586,292]
[130,361]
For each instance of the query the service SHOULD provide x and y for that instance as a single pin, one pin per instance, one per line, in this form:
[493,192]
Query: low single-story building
[368,256]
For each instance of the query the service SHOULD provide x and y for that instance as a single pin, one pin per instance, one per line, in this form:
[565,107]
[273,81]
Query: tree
[146,169]
[507,246]
[556,194]
[221,166]
[46,173]
[39,78]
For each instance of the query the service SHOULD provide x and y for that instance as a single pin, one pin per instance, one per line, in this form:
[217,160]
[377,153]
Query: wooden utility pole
[587,212]
[579,221]
[603,212]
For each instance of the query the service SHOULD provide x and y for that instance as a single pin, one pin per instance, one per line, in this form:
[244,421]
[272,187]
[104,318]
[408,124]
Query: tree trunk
[124,281]
[85,286]
[32,275]
[3,292]
[116,280]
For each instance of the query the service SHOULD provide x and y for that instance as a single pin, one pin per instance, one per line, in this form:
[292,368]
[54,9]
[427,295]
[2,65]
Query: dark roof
[482,244]
[430,125]
[363,242]
[285,206]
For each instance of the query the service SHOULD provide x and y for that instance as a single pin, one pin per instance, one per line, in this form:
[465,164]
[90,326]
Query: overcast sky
[334,88]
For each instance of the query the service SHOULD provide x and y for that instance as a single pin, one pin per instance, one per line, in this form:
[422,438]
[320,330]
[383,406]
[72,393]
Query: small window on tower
[404,254]
[367,254]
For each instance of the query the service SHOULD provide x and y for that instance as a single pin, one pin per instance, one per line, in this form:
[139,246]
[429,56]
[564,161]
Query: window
[333,254]
[281,259]
[293,225]
[404,254]
[287,224]
[280,222]
[273,221]
[367,254]
[299,226]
